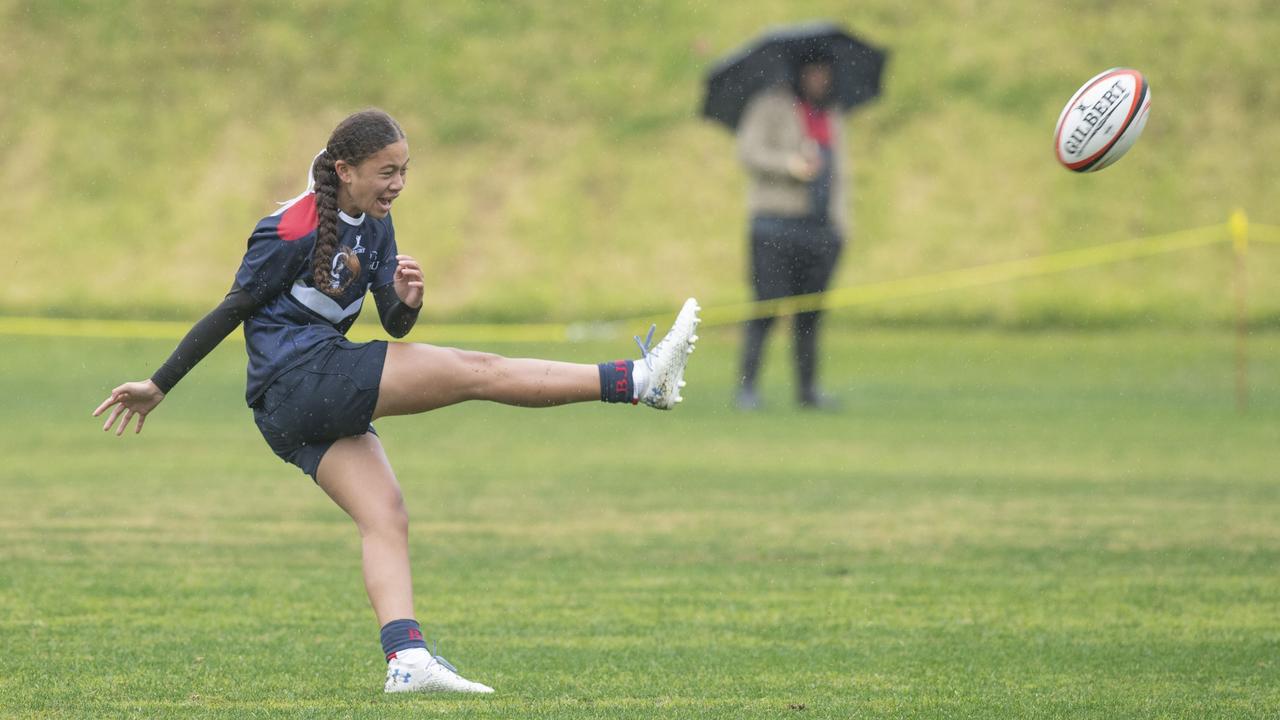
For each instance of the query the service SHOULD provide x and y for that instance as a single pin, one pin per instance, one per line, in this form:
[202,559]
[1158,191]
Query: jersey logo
[372,258]
[344,268]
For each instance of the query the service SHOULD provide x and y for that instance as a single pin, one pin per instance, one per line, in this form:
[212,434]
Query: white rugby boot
[665,362]
[416,670]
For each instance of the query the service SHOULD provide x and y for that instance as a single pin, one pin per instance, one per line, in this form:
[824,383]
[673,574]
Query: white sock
[639,379]
[414,656]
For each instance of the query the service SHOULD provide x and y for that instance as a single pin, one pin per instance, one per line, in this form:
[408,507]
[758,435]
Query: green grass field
[1037,522]
[1033,525]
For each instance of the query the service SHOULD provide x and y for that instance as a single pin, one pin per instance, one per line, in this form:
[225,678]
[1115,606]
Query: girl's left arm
[400,300]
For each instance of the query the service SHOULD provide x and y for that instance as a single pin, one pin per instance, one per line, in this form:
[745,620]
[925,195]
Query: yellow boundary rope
[172,330]
[972,277]
[1264,233]
[870,293]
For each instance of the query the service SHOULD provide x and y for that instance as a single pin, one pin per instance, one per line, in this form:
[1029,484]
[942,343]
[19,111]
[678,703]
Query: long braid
[327,217]
[353,140]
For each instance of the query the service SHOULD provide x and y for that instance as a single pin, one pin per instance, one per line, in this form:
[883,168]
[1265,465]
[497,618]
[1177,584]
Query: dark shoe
[747,401]
[819,401]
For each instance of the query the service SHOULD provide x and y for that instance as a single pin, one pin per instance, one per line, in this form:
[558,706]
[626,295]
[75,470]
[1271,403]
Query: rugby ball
[1102,120]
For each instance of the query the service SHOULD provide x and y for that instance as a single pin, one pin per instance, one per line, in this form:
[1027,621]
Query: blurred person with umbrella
[784,94]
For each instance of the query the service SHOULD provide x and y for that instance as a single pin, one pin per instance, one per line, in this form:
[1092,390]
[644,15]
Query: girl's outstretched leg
[417,378]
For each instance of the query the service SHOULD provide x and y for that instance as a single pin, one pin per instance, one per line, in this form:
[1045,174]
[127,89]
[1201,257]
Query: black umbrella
[771,59]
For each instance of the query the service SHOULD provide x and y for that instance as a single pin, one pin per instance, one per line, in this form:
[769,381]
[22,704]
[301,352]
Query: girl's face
[373,185]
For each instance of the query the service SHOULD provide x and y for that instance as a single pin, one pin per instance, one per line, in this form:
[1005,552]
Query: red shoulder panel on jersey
[299,219]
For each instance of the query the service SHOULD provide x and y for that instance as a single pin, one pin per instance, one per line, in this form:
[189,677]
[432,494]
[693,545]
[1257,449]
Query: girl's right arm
[271,262]
[140,398]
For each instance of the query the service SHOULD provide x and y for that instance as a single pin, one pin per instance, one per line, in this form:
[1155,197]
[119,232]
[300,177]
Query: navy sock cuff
[616,383]
[400,635]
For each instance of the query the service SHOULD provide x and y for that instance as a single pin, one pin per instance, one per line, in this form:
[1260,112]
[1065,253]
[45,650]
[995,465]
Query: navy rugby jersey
[296,320]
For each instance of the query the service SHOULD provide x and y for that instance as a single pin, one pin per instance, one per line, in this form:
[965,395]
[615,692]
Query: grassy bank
[560,171]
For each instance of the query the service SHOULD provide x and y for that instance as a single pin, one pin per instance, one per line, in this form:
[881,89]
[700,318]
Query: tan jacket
[769,135]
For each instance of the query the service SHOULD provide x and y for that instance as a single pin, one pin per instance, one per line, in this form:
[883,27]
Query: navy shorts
[328,397]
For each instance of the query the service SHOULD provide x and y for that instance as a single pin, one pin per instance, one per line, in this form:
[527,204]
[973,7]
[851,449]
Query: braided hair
[354,139]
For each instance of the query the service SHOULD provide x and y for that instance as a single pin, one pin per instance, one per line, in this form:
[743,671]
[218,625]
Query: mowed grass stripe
[997,525]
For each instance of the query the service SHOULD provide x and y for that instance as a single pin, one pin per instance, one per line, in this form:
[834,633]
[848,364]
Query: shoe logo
[397,675]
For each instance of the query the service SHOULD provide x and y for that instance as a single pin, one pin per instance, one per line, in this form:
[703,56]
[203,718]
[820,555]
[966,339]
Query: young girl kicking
[300,286]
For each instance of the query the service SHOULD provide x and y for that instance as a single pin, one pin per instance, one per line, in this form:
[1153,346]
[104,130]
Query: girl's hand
[408,281]
[132,398]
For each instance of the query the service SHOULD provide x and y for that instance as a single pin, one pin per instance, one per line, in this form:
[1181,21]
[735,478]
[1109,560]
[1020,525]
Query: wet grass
[997,525]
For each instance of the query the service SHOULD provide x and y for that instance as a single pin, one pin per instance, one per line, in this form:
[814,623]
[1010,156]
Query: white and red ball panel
[1102,120]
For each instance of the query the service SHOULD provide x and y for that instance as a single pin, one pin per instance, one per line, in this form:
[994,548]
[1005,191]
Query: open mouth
[384,203]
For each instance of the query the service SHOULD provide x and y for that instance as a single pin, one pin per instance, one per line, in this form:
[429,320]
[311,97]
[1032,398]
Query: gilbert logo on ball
[1102,120]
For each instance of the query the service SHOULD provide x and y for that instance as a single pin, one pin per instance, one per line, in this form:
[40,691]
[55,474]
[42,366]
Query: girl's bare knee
[480,373]
[389,516]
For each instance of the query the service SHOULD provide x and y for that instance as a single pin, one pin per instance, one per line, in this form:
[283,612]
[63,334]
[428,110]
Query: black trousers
[789,256]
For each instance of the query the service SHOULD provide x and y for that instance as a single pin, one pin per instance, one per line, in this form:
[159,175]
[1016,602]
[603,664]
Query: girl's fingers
[120,430]
[111,419]
[124,423]
[124,407]
[111,400]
